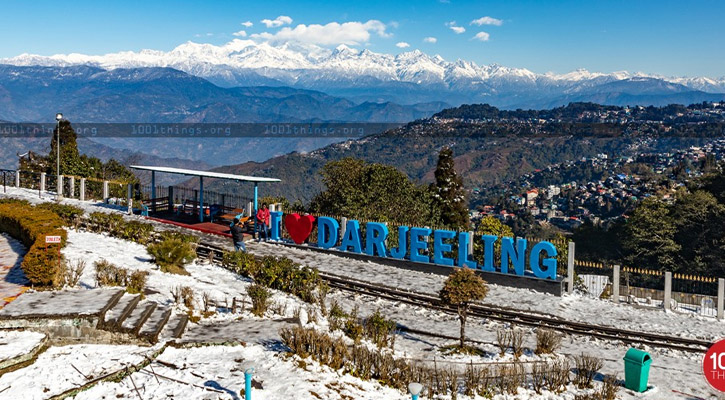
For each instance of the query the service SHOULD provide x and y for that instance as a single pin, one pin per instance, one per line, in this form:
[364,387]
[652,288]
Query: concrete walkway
[12,279]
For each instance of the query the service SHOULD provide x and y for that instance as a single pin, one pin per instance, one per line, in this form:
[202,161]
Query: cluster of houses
[568,205]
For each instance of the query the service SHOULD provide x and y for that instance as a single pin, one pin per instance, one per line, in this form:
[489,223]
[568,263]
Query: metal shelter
[201,175]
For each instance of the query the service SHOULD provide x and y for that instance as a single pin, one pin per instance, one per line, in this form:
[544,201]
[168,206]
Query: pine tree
[449,193]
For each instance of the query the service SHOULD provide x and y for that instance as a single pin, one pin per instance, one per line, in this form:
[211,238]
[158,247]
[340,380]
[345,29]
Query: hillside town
[620,183]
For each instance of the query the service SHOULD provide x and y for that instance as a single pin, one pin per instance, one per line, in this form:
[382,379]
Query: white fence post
[42,182]
[570,268]
[615,284]
[250,209]
[130,199]
[470,243]
[83,189]
[59,189]
[668,290]
[720,298]
[17,178]
[343,226]
[71,186]
[105,192]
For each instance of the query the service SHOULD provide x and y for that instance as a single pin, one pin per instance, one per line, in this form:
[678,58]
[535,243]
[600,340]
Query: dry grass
[547,341]
[587,367]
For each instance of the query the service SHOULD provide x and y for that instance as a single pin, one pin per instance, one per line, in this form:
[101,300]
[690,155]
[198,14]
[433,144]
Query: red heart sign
[299,226]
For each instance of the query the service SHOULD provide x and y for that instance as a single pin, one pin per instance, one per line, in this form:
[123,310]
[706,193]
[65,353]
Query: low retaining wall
[555,287]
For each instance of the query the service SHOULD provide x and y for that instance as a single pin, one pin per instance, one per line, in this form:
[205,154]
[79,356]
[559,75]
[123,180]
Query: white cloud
[247,24]
[402,45]
[457,29]
[240,34]
[208,34]
[482,36]
[487,21]
[277,22]
[430,39]
[352,33]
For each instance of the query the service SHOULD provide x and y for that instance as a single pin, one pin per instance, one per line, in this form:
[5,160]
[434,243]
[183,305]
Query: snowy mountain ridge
[350,72]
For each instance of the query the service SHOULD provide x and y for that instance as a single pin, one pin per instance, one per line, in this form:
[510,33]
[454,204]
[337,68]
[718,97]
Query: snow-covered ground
[575,307]
[18,343]
[221,367]
[671,369]
[63,368]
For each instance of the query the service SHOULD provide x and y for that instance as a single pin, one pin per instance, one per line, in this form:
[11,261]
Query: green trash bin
[636,369]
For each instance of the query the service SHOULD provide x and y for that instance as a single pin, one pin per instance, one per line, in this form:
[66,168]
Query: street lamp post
[58,118]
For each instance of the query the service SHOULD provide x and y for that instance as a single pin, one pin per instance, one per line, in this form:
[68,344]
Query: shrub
[183,237]
[336,317]
[379,330]
[557,375]
[610,387]
[30,225]
[100,222]
[136,282]
[509,377]
[476,381]
[171,254]
[538,376]
[108,274]
[587,367]
[187,297]
[503,341]
[374,364]
[14,201]
[260,299]
[322,290]
[240,262]
[547,341]
[135,231]
[73,273]
[353,328]
[279,273]
[69,214]
[517,342]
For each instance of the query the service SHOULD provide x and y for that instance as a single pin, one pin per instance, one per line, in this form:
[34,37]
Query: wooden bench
[162,203]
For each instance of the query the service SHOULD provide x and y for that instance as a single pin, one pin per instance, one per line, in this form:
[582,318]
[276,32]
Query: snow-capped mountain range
[408,77]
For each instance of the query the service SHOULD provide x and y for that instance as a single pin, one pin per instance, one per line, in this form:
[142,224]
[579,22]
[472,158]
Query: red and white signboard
[52,239]
[713,365]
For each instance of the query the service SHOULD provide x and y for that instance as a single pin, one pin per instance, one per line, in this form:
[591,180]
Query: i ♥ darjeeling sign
[414,241]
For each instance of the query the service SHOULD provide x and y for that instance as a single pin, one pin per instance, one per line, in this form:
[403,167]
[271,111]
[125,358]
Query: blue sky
[665,37]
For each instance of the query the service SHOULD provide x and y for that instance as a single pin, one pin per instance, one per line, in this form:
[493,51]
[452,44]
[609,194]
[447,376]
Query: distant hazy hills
[406,78]
[91,94]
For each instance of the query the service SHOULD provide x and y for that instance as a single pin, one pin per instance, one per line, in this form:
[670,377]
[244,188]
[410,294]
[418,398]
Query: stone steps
[138,317]
[155,324]
[88,313]
[119,312]
[174,328]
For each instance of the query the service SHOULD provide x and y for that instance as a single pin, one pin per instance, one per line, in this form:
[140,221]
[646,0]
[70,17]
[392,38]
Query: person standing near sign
[263,222]
[238,236]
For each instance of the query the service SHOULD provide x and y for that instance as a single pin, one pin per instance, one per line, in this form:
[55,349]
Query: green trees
[448,192]
[650,236]
[380,192]
[74,163]
[462,288]
[373,191]
[685,236]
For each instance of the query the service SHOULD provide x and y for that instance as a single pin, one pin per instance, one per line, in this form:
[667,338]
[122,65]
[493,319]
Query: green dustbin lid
[637,356]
